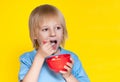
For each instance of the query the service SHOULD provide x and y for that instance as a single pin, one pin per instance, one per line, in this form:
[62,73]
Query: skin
[49,30]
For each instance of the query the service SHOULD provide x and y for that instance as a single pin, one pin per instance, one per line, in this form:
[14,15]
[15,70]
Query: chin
[57,49]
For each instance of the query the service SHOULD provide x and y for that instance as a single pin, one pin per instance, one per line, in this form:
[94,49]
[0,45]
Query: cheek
[60,33]
[40,38]
[43,35]
[60,36]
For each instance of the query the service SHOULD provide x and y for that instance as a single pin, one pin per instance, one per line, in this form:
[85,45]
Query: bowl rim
[52,56]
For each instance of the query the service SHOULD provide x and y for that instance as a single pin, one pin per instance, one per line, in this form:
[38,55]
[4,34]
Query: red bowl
[57,63]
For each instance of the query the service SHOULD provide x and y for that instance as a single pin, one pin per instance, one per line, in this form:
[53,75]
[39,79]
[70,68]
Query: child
[48,33]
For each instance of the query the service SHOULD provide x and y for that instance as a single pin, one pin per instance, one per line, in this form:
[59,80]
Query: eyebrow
[44,26]
[48,26]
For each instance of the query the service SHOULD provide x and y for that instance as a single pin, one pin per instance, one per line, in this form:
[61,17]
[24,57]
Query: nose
[52,33]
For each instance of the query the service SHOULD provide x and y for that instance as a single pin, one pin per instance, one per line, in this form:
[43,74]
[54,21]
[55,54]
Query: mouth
[54,43]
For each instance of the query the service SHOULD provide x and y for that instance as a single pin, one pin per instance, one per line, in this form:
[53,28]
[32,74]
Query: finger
[52,44]
[72,60]
[63,72]
[51,51]
[45,41]
[67,68]
[47,46]
[69,64]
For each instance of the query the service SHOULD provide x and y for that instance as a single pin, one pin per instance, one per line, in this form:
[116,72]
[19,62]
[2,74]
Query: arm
[33,72]
[71,78]
[74,73]
[67,74]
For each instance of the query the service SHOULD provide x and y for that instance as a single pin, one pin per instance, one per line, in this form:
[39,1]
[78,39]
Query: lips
[53,43]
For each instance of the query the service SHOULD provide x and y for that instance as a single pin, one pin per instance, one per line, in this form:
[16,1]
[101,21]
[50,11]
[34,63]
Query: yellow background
[93,28]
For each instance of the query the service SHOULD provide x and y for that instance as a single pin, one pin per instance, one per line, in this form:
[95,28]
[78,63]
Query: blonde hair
[38,15]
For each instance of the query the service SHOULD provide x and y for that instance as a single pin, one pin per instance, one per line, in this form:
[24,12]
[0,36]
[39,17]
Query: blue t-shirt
[46,75]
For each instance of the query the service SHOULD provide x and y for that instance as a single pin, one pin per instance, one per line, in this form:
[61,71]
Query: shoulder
[73,54]
[27,56]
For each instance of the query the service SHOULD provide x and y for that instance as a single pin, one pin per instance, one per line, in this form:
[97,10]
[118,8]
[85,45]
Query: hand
[45,49]
[68,67]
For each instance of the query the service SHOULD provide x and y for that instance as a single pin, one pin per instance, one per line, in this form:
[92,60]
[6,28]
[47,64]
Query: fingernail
[67,63]
[44,42]
[52,44]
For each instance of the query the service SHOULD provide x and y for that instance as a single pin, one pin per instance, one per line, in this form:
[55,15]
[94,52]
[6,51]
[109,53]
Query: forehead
[50,19]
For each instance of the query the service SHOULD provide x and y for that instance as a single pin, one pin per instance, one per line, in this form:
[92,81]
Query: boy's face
[51,30]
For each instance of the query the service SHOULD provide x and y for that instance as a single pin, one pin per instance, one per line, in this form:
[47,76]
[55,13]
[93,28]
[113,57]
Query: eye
[45,29]
[58,27]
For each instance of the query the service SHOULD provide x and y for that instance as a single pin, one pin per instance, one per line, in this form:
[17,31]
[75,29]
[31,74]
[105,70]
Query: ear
[35,36]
